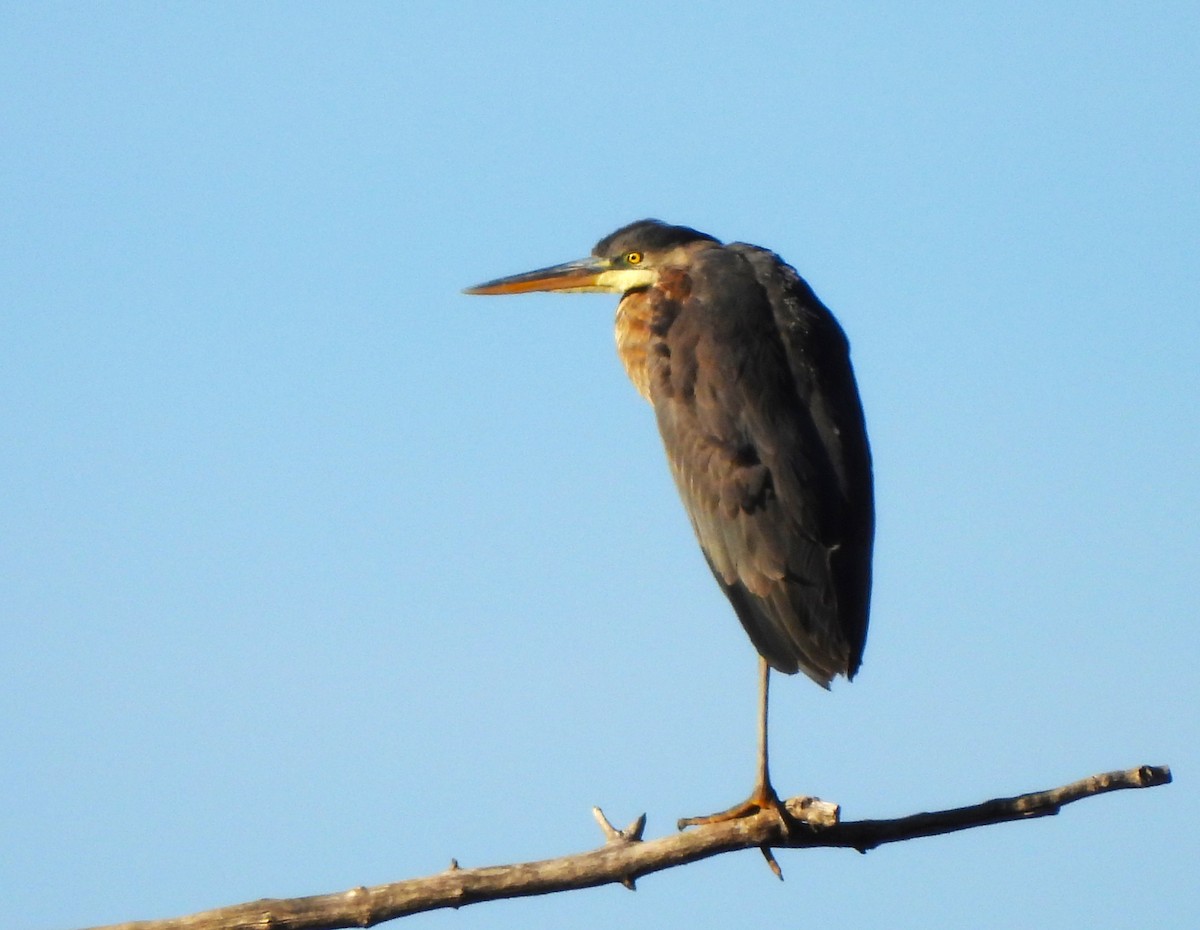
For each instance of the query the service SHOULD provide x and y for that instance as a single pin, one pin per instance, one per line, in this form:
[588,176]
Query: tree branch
[625,857]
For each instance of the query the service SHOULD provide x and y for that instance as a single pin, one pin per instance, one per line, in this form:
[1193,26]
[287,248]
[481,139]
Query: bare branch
[625,857]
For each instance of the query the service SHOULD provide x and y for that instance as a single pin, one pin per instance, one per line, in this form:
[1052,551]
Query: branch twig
[625,857]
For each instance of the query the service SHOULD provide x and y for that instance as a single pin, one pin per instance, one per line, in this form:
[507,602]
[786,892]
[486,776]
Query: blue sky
[317,573]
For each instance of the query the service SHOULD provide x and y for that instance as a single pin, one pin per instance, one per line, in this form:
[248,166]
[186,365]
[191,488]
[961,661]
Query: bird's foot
[764,798]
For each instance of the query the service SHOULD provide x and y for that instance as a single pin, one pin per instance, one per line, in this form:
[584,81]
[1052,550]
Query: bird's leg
[763,797]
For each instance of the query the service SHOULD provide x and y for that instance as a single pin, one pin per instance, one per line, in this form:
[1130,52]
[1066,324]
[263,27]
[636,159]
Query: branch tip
[772,862]
[631,834]
[611,833]
[1151,776]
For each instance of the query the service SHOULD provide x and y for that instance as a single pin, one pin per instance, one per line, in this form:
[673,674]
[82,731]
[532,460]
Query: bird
[756,401]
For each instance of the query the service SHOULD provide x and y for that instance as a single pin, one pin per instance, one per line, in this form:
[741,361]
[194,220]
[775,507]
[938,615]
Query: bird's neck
[633,338]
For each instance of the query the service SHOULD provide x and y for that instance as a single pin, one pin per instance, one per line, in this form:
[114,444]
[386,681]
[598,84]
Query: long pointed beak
[581,275]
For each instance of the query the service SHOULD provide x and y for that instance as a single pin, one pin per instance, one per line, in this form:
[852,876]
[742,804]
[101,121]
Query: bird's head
[626,260]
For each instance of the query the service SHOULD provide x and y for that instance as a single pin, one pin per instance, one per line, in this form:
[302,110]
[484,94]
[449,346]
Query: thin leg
[763,789]
[763,796]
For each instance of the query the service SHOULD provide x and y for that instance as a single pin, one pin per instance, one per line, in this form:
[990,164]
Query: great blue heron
[750,378]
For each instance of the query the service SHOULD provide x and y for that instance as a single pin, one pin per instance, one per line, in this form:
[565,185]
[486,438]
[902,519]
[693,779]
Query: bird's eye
[633,258]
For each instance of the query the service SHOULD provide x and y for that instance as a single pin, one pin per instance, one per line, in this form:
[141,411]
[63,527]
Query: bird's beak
[586,274]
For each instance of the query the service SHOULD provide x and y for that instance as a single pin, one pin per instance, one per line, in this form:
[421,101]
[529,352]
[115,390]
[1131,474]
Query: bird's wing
[819,359]
[751,463]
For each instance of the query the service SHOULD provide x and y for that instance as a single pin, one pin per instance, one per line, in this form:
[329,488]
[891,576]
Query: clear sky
[315,572]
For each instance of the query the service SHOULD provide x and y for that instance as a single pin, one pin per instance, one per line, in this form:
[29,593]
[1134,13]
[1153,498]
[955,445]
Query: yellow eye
[633,258]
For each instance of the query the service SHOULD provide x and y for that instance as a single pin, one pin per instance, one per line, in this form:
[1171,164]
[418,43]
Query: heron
[756,401]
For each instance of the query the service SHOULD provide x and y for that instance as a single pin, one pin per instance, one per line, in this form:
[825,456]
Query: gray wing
[760,418]
[819,359]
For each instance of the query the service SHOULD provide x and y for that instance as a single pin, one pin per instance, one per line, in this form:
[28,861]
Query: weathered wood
[625,856]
